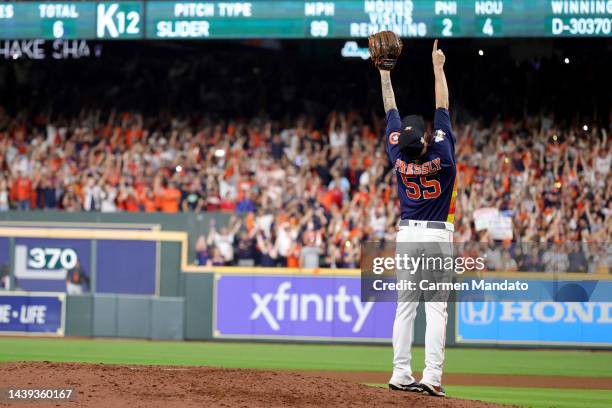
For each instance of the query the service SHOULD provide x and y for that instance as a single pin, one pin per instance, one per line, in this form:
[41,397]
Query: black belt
[427,224]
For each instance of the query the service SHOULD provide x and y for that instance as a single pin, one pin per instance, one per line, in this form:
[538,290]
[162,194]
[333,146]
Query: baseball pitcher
[426,172]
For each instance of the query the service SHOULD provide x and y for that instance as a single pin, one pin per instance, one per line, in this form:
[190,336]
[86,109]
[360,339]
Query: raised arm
[438,59]
[387,90]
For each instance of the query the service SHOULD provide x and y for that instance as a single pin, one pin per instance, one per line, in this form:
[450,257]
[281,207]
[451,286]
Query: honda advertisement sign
[536,322]
[298,307]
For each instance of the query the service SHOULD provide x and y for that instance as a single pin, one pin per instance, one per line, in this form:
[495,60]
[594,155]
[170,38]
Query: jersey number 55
[430,188]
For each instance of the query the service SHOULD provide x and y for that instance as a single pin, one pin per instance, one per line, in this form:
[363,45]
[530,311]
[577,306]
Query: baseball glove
[385,49]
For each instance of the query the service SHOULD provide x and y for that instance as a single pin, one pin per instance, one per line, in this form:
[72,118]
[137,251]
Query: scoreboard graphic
[304,19]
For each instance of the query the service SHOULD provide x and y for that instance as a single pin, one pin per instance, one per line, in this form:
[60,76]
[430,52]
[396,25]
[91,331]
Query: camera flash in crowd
[566,60]
[219,153]
[555,137]
[480,52]
[585,128]
[179,168]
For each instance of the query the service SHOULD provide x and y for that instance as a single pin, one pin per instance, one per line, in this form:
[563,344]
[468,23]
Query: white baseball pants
[436,317]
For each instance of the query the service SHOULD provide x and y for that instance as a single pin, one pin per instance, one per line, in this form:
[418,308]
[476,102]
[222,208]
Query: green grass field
[533,397]
[341,357]
[536,397]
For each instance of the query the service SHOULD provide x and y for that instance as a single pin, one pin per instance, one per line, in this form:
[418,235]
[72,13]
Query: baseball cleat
[412,387]
[435,390]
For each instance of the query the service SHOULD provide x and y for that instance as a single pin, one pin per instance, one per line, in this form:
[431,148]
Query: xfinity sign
[298,307]
[282,306]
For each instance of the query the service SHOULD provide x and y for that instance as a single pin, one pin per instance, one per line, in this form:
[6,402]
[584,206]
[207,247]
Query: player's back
[426,186]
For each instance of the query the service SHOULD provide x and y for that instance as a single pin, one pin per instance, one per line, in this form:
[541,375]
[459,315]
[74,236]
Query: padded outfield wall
[143,284]
[164,255]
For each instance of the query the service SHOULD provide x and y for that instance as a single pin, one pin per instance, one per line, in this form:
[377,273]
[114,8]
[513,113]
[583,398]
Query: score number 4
[487,27]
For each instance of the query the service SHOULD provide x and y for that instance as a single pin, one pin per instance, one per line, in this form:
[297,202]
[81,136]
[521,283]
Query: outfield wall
[140,264]
[57,314]
[166,254]
[294,306]
[300,308]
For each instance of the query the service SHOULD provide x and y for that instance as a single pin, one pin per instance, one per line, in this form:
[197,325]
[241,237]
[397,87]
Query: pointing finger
[435,46]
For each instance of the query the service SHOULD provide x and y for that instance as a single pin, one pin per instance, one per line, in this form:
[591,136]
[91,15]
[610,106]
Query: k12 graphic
[298,307]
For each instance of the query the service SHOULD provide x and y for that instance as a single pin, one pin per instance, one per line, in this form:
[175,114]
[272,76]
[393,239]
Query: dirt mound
[101,385]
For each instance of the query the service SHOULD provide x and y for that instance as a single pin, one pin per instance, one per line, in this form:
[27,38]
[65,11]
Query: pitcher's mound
[101,385]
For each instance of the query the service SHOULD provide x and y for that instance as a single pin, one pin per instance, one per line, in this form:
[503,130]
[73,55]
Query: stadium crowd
[164,127]
[301,194]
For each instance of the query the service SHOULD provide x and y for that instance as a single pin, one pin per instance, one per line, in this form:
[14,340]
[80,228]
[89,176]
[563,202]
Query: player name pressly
[476,284]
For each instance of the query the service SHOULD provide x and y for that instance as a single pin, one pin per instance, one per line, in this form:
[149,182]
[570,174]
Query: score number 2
[447,27]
